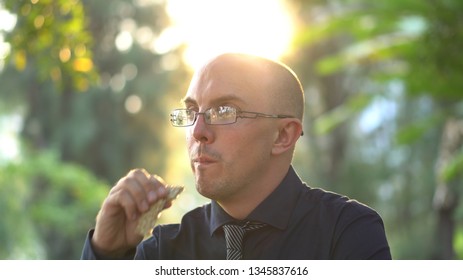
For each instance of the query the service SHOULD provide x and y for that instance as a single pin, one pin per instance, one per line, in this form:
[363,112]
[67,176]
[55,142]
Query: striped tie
[234,236]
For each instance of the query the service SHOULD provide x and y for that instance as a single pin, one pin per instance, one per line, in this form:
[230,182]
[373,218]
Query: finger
[130,193]
[156,189]
[168,204]
[145,189]
[137,191]
[139,175]
[119,200]
[129,205]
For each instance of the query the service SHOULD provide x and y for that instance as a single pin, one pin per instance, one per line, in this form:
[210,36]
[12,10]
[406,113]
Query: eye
[226,110]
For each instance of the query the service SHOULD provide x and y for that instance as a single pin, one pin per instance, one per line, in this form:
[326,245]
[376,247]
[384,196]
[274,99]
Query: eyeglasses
[220,115]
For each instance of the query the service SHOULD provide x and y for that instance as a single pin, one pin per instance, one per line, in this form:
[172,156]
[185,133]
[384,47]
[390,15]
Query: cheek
[190,146]
[248,147]
[189,139]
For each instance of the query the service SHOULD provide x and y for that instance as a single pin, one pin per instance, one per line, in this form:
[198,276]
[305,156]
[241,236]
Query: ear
[289,131]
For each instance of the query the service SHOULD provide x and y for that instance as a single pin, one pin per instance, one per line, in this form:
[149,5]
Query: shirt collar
[275,210]
[218,217]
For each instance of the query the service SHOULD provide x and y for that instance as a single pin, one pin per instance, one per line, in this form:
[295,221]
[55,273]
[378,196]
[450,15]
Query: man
[243,116]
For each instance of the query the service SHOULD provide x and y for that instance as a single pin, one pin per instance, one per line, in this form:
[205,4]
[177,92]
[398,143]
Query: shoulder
[339,212]
[357,229]
[334,203]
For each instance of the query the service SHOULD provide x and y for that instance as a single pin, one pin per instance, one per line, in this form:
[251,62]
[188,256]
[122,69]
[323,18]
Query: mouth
[203,160]
[202,157]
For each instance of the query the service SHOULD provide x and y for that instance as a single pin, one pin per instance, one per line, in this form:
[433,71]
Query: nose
[201,131]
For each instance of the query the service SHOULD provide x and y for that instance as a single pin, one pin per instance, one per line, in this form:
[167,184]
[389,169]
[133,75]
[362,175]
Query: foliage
[382,78]
[52,35]
[106,126]
[402,59]
[50,206]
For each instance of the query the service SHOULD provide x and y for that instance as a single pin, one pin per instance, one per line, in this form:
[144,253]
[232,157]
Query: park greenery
[383,123]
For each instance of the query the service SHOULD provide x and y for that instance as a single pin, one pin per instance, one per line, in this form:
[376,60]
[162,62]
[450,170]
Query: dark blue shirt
[302,223]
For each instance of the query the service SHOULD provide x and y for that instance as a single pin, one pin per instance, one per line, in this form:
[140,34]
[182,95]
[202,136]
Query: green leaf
[453,168]
[416,130]
[330,120]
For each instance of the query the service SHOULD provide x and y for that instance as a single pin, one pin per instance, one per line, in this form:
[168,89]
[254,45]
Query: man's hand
[115,231]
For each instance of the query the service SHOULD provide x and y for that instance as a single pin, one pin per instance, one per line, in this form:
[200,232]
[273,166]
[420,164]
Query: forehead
[225,82]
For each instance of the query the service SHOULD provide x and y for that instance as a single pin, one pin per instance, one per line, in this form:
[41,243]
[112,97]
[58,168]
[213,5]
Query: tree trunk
[445,197]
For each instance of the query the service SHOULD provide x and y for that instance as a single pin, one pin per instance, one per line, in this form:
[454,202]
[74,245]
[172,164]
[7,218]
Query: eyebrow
[222,99]
[187,100]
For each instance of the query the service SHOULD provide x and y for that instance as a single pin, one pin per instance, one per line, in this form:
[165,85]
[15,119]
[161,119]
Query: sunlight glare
[210,27]
[10,127]
[7,20]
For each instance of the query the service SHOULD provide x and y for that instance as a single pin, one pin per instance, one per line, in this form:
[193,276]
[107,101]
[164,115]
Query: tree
[404,53]
[93,92]
[49,220]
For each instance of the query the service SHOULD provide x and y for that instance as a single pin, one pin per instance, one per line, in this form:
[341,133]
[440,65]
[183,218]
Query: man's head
[235,160]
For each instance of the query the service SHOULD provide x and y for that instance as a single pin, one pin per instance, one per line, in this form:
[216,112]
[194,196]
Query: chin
[209,188]
[205,191]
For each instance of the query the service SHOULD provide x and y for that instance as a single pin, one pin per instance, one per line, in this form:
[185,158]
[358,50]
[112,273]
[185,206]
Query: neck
[241,205]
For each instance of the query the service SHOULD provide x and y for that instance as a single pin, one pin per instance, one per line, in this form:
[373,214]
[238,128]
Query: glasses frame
[238,114]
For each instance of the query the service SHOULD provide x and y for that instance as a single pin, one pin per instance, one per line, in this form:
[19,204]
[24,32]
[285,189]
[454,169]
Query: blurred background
[86,88]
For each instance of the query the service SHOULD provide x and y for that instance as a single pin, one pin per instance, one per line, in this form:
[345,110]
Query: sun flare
[210,27]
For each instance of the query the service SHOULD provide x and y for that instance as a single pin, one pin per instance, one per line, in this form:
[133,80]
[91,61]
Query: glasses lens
[221,115]
[182,117]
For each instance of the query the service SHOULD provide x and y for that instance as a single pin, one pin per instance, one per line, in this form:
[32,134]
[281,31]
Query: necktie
[234,237]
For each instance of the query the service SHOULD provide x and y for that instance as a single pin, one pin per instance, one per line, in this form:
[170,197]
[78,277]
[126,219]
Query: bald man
[243,116]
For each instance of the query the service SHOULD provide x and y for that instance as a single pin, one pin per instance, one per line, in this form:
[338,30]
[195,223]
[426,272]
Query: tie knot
[234,234]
